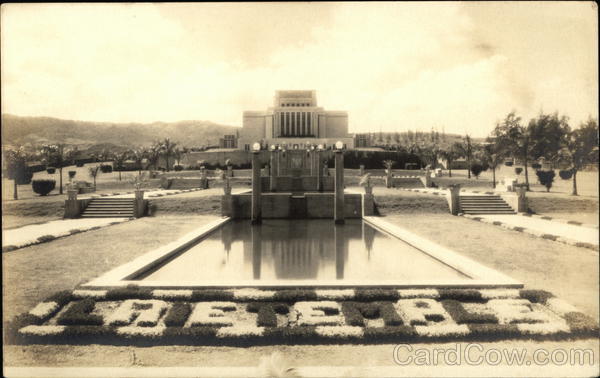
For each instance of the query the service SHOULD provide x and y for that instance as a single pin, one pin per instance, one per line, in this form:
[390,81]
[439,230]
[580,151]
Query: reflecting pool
[300,250]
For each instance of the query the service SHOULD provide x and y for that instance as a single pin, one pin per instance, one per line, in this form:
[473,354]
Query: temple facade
[295,120]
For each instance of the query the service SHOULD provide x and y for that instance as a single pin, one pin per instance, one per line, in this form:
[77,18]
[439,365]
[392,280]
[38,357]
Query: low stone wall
[304,184]
[407,182]
[183,183]
[278,205]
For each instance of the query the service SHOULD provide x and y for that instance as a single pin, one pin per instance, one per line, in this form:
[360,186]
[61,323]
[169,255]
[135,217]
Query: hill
[17,130]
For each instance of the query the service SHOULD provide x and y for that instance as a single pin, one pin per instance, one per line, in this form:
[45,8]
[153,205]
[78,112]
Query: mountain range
[35,131]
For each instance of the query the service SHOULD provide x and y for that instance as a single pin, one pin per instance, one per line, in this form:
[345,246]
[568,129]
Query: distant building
[294,120]
[228,141]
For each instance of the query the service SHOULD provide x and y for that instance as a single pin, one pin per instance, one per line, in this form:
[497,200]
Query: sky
[455,67]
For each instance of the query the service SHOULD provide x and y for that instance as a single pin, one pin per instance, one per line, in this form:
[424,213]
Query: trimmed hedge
[104,168]
[178,314]
[43,187]
[78,313]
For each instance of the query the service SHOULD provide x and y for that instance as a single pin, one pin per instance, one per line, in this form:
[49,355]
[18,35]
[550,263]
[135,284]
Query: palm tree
[119,159]
[450,154]
[153,154]
[138,155]
[466,150]
[167,149]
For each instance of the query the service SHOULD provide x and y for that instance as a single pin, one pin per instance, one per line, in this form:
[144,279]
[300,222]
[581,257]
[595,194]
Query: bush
[508,163]
[536,166]
[178,167]
[79,164]
[476,169]
[51,170]
[565,174]
[518,170]
[43,187]
[46,238]
[72,174]
[106,168]
[546,178]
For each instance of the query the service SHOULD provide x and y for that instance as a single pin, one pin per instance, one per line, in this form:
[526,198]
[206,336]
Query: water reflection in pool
[305,250]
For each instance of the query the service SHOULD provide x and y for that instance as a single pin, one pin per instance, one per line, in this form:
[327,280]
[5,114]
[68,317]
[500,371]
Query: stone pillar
[72,208]
[256,252]
[340,252]
[388,178]
[229,171]
[274,170]
[227,205]
[454,198]
[140,207]
[338,211]
[362,170]
[368,202]
[203,178]
[319,171]
[256,189]
[521,198]
[427,178]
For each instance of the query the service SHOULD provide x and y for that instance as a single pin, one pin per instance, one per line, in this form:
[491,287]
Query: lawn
[571,273]
[32,273]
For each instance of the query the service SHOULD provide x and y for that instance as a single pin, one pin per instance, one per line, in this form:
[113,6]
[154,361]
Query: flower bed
[140,316]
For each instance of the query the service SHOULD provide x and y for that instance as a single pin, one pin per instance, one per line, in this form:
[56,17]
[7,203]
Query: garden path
[22,236]
[581,234]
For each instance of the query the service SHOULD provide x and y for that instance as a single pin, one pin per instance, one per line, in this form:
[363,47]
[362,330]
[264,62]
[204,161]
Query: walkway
[547,227]
[39,233]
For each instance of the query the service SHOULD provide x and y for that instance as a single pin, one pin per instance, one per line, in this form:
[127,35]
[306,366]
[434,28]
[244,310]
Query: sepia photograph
[300,189]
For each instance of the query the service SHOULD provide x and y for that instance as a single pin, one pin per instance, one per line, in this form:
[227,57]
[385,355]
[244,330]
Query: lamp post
[256,217]
[339,184]
[319,170]
[274,169]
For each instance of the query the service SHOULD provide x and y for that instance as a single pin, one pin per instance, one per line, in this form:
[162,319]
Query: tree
[167,149]
[548,135]
[545,178]
[119,159]
[430,154]
[177,153]
[450,154]
[515,139]
[55,155]
[580,149]
[477,168]
[138,155]
[153,154]
[93,171]
[492,155]
[16,167]
[466,150]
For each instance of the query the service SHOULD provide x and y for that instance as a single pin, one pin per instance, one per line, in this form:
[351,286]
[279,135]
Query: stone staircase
[109,208]
[484,204]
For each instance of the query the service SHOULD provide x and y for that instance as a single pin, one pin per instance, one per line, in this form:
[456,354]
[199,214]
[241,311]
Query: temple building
[295,120]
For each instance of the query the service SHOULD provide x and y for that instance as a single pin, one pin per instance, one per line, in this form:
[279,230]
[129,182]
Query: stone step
[476,202]
[106,216]
[484,205]
[103,206]
[489,211]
